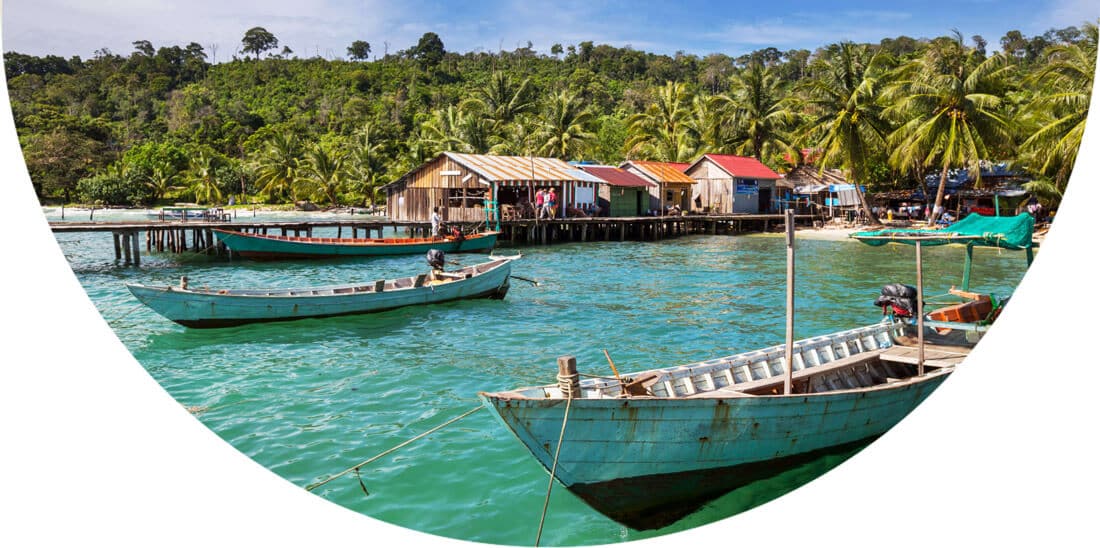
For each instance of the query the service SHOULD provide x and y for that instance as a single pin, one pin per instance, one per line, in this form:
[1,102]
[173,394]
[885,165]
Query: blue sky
[325,28]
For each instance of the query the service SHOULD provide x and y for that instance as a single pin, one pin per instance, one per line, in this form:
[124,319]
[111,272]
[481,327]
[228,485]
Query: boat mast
[790,301]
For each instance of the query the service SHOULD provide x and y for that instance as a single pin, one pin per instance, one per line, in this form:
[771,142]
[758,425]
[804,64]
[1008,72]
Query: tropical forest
[166,123]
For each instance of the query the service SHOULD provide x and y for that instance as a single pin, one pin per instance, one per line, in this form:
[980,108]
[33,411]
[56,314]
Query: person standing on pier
[436,219]
[540,203]
[552,203]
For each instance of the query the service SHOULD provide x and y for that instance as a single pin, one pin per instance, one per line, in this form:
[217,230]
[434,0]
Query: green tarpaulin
[1003,232]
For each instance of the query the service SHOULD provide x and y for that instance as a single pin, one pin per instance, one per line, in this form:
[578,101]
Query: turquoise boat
[652,447]
[271,247]
[203,308]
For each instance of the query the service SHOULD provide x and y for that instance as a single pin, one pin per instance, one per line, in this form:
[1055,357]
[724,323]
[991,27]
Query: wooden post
[790,303]
[118,250]
[568,379]
[920,313]
[137,248]
[126,246]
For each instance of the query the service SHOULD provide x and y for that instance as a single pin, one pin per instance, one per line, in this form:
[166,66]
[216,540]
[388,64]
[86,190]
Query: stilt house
[672,187]
[733,184]
[462,185]
[625,194]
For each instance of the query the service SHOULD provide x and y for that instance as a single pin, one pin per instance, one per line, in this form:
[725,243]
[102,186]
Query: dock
[197,236]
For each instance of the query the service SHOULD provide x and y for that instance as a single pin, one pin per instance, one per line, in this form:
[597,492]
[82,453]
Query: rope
[554,468]
[139,305]
[390,450]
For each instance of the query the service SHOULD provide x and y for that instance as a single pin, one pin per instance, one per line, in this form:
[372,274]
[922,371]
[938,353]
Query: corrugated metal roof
[618,177]
[521,168]
[663,172]
[740,166]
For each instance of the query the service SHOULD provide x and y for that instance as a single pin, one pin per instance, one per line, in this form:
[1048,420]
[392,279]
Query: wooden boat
[656,446]
[651,447]
[267,247]
[227,307]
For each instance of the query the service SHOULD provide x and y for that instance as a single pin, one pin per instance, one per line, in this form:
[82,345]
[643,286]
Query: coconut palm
[445,130]
[365,162]
[759,116]
[844,118]
[661,132]
[277,166]
[323,171]
[502,100]
[1060,109]
[563,127]
[162,179]
[708,124]
[948,102]
[203,178]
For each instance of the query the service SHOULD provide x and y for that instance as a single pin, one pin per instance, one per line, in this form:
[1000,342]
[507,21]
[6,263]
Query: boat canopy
[1002,232]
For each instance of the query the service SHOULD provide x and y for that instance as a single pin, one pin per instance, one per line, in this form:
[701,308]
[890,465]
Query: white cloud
[1064,13]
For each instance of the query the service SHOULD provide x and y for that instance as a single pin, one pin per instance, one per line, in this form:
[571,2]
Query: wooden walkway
[179,236]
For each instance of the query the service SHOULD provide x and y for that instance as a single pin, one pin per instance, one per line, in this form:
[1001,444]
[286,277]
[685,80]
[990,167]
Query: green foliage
[182,127]
[113,187]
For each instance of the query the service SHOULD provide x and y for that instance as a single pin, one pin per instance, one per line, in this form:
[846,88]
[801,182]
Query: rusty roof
[521,168]
[662,172]
[617,177]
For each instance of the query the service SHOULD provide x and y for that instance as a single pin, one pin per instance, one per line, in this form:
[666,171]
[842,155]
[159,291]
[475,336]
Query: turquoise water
[311,398]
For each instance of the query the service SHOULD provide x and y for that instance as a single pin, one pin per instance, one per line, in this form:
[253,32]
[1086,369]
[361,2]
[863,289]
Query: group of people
[546,203]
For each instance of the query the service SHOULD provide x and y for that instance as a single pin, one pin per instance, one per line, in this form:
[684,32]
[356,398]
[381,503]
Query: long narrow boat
[228,307]
[268,247]
[654,448]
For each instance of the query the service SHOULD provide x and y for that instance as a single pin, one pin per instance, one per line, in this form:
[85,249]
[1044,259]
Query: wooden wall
[459,197]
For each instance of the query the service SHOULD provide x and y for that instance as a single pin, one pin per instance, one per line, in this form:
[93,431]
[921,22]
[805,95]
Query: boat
[204,308]
[650,447]
[269,247]
[183,213]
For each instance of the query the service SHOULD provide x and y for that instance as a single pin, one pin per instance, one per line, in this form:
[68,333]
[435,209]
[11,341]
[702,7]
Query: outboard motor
[900,298]
[436,259]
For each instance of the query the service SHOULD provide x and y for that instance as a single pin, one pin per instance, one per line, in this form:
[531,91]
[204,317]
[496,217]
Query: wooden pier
[198,236]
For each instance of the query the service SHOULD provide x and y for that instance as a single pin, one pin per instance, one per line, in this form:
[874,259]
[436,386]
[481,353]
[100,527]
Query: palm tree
[365,161]
[563,126]
[759,115]
[204,178]
[278,163]
[708,124]
[443,131]
[162,179]
[661,132]
[324,172]
[503,100]
[1061,108]
[845,119]
[948,101]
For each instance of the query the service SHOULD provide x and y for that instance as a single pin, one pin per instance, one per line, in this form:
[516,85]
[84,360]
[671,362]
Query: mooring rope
[554,467]
[388,451]
[139,305]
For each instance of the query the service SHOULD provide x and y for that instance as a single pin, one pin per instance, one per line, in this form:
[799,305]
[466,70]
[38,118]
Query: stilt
[137,249]
[126,247]
[118,250]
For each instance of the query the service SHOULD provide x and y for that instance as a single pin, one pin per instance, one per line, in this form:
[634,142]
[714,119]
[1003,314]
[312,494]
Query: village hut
[816,191]
[671,188]
[470,187]
[624,194]
[733,184]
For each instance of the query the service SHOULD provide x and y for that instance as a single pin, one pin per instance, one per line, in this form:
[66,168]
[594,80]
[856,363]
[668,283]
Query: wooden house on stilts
[671,186]
[463,186]
[733,184]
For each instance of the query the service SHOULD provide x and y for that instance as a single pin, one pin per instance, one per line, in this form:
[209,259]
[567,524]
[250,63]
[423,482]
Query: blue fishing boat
[269,247]
[205,307]
[650,447]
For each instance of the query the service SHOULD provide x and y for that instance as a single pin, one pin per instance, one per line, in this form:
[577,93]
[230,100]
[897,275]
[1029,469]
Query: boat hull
[646,462]
[210,309]
[261,247]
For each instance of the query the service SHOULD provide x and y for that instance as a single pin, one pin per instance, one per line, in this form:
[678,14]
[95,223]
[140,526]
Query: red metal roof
[617,177]
[682,166]
[740,166]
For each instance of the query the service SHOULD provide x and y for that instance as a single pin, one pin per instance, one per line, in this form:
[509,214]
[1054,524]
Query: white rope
[554,467]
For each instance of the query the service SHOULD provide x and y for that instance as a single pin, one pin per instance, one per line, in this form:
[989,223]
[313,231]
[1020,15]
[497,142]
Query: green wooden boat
[270,247]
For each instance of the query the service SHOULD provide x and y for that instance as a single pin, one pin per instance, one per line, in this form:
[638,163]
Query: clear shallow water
[311,398]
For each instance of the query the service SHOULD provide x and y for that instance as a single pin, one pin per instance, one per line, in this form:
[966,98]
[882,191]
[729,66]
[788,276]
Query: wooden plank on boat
[933,357]
[379,286]
[744,389]
[420,278]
